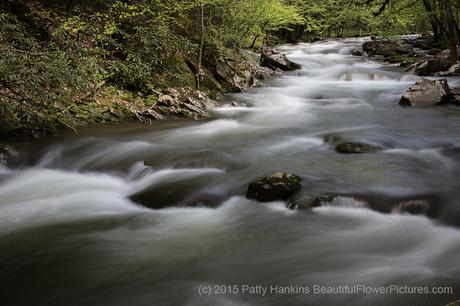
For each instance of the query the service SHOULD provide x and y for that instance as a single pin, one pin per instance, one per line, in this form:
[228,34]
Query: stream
[72,231]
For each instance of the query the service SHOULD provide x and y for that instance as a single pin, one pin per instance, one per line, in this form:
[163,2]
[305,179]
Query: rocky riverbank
[237,72]
[420,55]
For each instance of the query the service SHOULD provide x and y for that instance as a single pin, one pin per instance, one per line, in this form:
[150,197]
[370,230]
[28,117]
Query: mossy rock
[276,187]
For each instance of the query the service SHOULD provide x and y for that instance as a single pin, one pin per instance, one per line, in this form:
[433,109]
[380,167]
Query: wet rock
[238,104]
[319,200]
[455,95]
[279,186]
[426,93]
[275,60]
[430,66]
[385,48]
[311,202]
[8,155]
[413,207]
[454,70]
[356,52]
[183,189]
[356,148]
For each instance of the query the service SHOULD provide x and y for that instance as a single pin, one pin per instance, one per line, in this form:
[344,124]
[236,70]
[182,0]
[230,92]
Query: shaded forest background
[67,64]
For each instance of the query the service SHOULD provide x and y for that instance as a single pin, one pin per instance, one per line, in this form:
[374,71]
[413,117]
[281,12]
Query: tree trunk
[254,41]
[451,29]
[200,57]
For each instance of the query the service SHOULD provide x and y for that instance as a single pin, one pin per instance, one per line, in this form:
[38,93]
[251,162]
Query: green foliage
[325,18]
[53,53]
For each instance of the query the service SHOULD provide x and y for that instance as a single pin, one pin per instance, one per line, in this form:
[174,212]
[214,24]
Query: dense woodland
[66,64]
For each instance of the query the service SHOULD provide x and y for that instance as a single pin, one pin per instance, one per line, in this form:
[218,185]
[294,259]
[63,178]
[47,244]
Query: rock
[455,95]
[188,189]
[426,93]
[311,202]
[413,207]
[385,48]
[445,54]
[454,70]
[238,104]
[279,186]
[8,155]
[430,66]
[373,37]
[165,99]
[319,200]
[240,71]
[356,52]
[275,60]
[182,102]
[356,148]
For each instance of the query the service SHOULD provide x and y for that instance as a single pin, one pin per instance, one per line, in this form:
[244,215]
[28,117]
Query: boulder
[276,187]
[426,93]
[275,60]
[385,48]
[356,148]
[356,52]
[454,70]
[430,66]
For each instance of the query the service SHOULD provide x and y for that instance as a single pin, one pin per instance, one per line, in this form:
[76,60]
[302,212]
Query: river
[70,235]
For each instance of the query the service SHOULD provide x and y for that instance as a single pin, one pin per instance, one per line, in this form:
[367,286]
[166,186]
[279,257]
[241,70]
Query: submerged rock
[413,207]
[455,95]
[319,200]
[356,148]
[275,60]
[426,93]
[279,186]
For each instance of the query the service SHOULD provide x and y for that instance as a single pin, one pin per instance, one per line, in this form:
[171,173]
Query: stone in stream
[8,155]
[385,48]
[276,187]
[413,207]
[275,60]
[455,95]
[356,52]
[356,148]
[426,93]
[430,66]
[454,70]
[327,199]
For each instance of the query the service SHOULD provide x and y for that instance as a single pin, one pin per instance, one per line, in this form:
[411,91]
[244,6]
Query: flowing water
[70,235]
